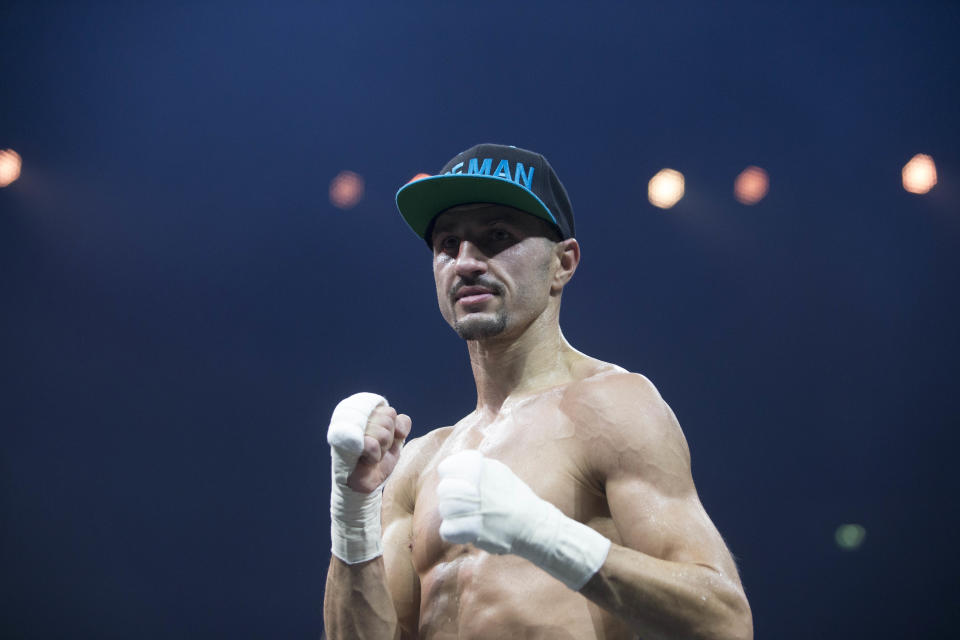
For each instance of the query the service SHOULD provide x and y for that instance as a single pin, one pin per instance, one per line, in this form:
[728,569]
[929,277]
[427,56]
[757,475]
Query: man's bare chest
[541,446]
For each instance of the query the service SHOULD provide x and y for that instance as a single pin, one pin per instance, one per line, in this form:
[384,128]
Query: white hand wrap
[483,503]
[354,516]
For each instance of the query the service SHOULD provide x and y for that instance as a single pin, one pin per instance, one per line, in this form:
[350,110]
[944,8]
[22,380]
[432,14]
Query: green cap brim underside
[421,201]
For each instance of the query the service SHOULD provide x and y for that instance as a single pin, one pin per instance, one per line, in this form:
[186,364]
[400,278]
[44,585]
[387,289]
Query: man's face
[492,265]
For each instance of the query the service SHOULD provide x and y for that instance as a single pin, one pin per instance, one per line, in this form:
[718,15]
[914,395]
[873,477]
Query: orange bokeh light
[751,185]
[10,164]
[419,176]
[346,190]
[920,174]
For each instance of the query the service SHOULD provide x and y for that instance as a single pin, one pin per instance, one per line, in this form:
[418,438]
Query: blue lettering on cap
[527,178]
[503,170]
[482,169]
[479,167]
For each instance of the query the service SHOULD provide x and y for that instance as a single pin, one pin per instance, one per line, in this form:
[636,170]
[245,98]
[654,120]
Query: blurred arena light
[346,190]
[665,188]
[10,164]
[419,176]
[920,174]
[849,536]
[751,185]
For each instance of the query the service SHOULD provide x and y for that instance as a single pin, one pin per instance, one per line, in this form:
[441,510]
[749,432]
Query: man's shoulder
[614,401]
[418,452]
[428,444]
[619,412]
[610,389]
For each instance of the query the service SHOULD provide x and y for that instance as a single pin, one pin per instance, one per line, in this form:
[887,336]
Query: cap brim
[422,200]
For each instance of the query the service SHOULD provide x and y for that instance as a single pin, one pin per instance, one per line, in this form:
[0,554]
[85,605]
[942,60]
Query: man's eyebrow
[450,223]
[442,226]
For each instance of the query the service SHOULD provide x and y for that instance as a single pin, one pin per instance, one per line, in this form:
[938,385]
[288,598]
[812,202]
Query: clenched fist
[483,503]
[383,438]
[365,436]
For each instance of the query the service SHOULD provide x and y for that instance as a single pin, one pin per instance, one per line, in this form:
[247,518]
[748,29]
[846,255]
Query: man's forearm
[662,599]
[357,603]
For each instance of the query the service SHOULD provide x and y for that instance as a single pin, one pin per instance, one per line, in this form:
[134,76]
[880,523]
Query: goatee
[478,328]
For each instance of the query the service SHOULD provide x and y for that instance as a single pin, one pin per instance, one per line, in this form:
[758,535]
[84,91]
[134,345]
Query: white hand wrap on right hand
[482,502]
[354,516]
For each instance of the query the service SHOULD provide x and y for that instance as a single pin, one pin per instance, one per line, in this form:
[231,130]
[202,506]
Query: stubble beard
[474,328]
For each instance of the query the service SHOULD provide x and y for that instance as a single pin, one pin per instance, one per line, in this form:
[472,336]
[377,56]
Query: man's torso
[467,593]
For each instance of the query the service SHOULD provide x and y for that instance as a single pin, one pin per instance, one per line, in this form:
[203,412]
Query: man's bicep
[645,469]
[673,527]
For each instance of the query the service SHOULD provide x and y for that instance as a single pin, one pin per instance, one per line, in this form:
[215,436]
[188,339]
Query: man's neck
[504,367]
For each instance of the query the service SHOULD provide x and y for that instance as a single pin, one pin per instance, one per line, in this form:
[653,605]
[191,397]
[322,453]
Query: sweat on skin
[448,570]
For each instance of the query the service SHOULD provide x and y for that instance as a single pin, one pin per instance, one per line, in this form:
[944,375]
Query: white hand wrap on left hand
[483,503]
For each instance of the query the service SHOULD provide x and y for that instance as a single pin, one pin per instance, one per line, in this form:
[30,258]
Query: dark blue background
[182,307]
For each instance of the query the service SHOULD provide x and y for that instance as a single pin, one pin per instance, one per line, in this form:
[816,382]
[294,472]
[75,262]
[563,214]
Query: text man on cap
[563,505]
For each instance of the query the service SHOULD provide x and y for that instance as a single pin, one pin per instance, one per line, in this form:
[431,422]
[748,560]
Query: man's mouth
[473,294]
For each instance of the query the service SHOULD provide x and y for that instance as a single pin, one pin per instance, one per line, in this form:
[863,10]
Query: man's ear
[568,257]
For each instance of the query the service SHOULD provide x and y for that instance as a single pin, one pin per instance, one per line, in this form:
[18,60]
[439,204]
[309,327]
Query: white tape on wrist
[354,516]
[568,550]
[484,503]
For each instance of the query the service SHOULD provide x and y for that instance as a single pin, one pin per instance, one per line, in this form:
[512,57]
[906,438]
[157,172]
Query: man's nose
[471,261]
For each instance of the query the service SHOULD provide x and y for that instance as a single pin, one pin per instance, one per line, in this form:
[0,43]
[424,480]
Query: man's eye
[500,234]
[449,242]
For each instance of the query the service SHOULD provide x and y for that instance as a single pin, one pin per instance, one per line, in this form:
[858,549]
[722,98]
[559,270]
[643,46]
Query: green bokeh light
[849,536]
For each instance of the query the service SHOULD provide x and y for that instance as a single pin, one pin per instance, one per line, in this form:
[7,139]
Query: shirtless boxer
[563,506]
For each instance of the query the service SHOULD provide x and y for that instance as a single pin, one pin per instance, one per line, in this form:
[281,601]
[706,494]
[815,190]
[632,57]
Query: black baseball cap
[494,173]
